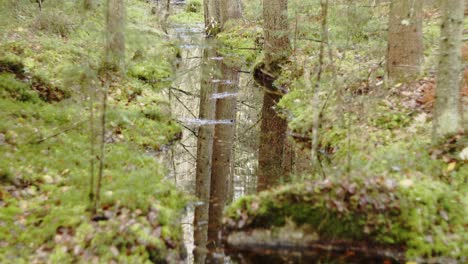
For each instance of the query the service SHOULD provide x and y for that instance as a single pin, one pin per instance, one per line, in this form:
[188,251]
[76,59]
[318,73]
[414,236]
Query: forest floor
[398,191]
[49,83]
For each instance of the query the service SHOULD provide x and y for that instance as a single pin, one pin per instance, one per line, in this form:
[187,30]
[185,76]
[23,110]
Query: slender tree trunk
[205,137]
[167,13]
[212,16]
[115,49]
[222,151]
[447,106]
[114,60]
[405,39]
[88,4]
[464,92]
[229,10]
[204,156]
[226,109]
[273,127]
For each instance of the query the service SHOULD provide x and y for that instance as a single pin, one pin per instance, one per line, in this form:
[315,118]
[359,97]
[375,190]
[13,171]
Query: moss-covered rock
[425,216]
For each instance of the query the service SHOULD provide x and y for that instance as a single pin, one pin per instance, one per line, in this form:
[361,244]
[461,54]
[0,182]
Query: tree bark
[447,117]
[212,16]
[272,142]
[273,127]
[222,152]
[205,135]
[204,156]
[88,4]
[276,33]
[115,50]
[229,10]
[226,109]
[405,39]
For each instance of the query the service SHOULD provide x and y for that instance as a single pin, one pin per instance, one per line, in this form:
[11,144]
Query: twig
[74,126]
[92,150]
[186,127]
[188,151]
[184,92]
[316,98]
[103,144]
[186,108]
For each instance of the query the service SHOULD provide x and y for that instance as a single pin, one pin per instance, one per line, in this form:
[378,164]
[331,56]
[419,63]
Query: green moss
[44,169]
[239,44]
[186,18]
[150,72]
[11,88]
[425,216]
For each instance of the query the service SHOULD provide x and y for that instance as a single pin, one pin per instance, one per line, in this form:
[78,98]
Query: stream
[184,102]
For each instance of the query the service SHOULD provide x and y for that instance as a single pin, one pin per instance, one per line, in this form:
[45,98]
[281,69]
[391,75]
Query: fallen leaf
[451,166]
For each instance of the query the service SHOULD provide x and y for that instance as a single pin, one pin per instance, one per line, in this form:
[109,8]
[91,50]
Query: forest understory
[92,110]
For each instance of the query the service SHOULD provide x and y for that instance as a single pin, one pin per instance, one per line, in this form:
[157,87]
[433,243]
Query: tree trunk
[275,27]
[205,138]
[273,127]
[204,156]
[88,4]
[229,10]
[447,105]
[226,109]
[222,151]
[212,16]
[405,39]
[464,92]
[272,142]
[167,13]
[115,50]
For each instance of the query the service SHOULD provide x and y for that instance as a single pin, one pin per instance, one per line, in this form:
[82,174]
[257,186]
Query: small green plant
[194,6]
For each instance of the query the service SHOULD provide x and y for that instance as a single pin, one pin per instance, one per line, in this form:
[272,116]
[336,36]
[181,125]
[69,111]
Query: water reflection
[200,122]
[226,82]
[223,95]
[184,106]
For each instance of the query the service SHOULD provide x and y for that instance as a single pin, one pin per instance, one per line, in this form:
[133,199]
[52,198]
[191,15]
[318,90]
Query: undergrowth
[49,64]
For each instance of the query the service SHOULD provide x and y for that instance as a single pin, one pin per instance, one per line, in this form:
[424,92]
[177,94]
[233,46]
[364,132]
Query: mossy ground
[49,64]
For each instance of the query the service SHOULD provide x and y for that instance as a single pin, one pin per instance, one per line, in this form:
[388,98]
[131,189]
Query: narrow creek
[184,97]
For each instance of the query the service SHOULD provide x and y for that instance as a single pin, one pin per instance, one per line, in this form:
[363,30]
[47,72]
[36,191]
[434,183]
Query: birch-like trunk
[405,39]
[447,108]
[204,156]
[207,111]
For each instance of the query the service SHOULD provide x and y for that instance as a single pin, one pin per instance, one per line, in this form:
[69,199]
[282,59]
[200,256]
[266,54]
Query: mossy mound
[424,216]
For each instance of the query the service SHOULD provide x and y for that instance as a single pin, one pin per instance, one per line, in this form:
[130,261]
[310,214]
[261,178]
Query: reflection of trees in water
[184,96]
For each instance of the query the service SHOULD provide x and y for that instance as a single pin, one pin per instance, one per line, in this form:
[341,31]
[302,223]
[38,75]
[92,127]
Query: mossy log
[386,218]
